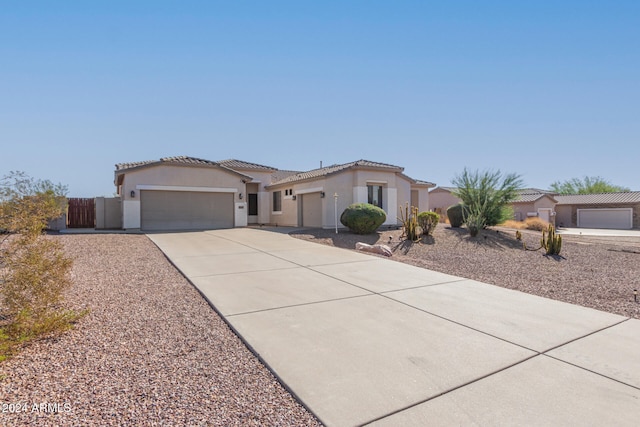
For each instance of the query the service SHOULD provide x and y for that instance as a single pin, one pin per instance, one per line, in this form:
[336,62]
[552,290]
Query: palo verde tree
[486,196]
[33,269]
[586,185]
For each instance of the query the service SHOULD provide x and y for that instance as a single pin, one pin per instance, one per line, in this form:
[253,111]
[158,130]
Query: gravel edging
[595,272]
[150,352]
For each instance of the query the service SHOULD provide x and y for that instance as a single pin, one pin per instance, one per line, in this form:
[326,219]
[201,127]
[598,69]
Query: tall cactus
[551,242]
[410,223]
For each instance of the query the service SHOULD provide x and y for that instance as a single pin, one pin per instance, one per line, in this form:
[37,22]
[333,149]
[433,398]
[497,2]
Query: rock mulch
[596,272]
[151,352]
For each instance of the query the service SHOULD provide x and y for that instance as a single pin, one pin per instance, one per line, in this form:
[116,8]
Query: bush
[455,214]
[428,222]
[363,218]
[536,224]
[34,273]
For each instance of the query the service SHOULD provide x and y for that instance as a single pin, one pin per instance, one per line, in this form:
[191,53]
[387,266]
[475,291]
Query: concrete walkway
[362,340]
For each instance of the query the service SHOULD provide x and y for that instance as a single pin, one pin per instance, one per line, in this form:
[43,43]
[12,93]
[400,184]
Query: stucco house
[180,193]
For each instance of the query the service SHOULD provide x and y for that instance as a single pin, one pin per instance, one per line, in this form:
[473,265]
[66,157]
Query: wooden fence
[81,213]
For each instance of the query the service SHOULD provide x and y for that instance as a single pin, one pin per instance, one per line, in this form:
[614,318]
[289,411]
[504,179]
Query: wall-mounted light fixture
[132,194]
[293,197]
[322,194]
[240,196]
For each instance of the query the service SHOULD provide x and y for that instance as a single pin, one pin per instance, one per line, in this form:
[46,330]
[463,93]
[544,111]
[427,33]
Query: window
[374,195]
[277,201]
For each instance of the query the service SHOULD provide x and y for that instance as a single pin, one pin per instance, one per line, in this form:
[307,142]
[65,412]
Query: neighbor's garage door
[185,210]
[311,210]
[621,218]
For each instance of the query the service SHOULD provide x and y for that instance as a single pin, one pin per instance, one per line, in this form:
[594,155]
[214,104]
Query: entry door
[252,199]
[544,214]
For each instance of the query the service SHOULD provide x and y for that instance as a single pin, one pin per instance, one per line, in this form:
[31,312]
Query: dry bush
[533,223]
[34,273]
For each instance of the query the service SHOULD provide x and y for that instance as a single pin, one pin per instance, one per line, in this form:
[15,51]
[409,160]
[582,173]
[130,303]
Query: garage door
[185,210]
[621,218]
[311,210]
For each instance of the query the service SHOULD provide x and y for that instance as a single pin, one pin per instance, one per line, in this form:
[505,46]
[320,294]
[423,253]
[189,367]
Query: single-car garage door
[185,210]
[311,206]
[621,218]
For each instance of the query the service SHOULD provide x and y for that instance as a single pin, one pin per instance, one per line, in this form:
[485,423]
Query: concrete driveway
[362,340]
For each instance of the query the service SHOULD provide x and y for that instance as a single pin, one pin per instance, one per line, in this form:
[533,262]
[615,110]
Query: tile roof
[599,199]
[241,164]
[532,197]
[171,160]
[176,160]
[317,173]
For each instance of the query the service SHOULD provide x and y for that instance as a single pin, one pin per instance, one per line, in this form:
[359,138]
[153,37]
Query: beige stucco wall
[440,200]
[182,178]
[108,213]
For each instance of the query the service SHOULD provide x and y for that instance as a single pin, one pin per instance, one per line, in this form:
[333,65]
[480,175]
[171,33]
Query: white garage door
[620,218]
[311,210]
[185,210]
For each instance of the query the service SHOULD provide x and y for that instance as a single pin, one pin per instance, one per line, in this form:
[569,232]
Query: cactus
[551,242]
[410,228]
[518,235]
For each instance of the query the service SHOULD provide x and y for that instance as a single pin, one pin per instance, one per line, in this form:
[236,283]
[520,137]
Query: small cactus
[518,235]
[551,242]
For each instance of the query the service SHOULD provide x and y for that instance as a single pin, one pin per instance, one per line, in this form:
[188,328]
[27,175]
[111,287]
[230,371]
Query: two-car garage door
[185,210]
[620,218]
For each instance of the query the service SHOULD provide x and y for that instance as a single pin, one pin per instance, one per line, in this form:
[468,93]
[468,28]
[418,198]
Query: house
[607,210]
[180,193]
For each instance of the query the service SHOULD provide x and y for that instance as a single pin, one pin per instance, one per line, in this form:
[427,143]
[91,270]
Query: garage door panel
[615,218]
[311,210]
[185,210]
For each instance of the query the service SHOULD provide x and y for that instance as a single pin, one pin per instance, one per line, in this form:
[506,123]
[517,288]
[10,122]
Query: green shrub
[455,214]
[428,222]
[363,218]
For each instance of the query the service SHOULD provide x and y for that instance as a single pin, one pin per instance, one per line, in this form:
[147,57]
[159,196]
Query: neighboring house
[608,210]
[177,193]
[605,210]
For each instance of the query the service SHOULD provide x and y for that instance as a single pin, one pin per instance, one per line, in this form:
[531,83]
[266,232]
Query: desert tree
[586,185]
[486,196]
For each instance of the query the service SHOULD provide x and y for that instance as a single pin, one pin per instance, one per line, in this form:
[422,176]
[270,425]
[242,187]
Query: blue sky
[546,89]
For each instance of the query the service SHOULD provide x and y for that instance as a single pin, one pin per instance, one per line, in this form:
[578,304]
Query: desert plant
[474,219]
[409,218]
[455,214]
[428,222]
[536,224]
[551,242]
[518,235]
[33,269]
[488,194]
[363,218]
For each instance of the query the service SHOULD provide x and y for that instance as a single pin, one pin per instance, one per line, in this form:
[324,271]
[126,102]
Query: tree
[34,271]
[587,185]
[486,196]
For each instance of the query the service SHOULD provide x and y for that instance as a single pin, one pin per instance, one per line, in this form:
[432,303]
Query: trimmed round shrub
[455,214]
[428,222]
[363,218]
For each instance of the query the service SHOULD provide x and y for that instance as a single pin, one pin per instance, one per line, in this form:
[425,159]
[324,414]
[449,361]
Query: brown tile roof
[329,170]
[599,199]
[177,160]
[241,164]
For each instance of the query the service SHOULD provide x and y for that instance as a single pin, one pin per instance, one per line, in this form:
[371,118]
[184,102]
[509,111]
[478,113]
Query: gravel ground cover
[596,272]
[150,352]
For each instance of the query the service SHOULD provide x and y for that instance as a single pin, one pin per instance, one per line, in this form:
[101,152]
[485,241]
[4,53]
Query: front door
[253,208]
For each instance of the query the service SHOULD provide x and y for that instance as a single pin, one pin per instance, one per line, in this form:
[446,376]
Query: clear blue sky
[546,89]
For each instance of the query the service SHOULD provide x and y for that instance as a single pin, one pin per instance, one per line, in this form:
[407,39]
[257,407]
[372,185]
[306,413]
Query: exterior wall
[179,177]
[420,198]
[440,200]
[394,190]
[563,216]
[108,213]
[520,210]
[568,214]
